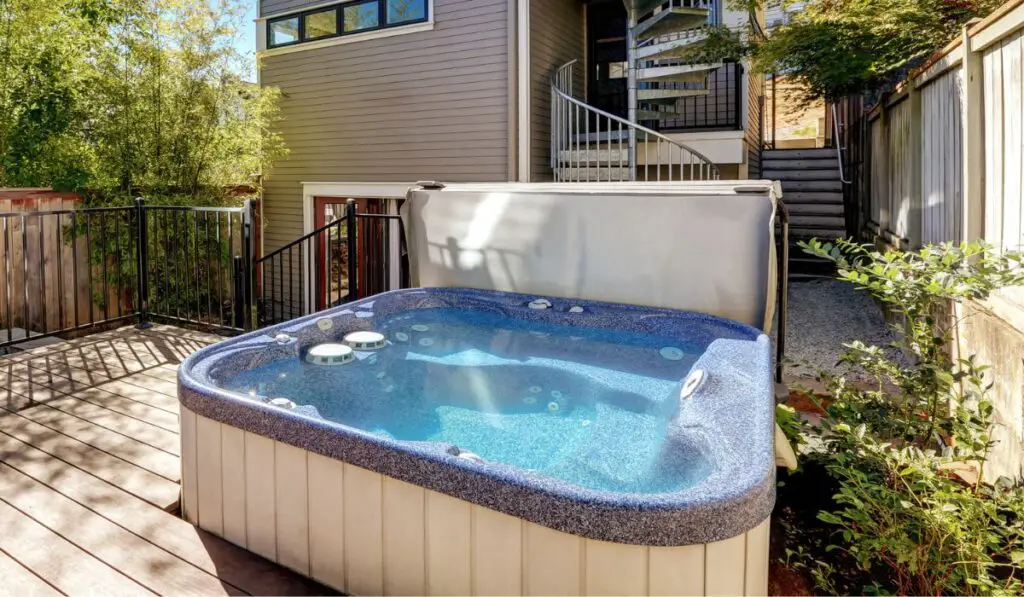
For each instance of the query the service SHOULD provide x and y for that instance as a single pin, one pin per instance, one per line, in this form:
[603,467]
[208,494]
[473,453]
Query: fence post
[974,141]
[351,225]
[142,265]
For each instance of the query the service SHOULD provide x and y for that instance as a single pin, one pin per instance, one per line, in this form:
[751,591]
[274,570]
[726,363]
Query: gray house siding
[557,35]
[426,105]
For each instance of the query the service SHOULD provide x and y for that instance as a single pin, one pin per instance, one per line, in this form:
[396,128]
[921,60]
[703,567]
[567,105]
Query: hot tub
[575,399]
[497,443]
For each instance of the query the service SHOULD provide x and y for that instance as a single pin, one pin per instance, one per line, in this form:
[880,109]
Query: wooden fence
[942,159]
[31,275]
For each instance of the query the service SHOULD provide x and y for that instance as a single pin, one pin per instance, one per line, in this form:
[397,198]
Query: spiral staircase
[591,145]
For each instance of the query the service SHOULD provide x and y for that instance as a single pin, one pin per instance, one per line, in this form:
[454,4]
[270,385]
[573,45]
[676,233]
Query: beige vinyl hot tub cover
[698,246]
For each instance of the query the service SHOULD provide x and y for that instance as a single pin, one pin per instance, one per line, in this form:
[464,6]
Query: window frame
[309,13]
[356,3]
[339,8]
[299,30]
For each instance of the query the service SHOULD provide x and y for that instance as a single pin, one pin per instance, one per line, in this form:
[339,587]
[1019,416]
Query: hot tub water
[588,406]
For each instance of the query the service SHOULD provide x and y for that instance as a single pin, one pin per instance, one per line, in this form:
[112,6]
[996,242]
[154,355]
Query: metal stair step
[676,46]
[808,164]
[787,175]
[585,156]
[810,185]
[798,154]
[667,95]
[813,197]
[643,7]
[653,113]
[588,174]
[814,209]
[670,20]
[683,73]
[804,233]
[602,137]
[801,222]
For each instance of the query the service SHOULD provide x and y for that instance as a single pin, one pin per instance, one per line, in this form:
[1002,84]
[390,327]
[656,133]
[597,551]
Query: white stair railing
[591,145]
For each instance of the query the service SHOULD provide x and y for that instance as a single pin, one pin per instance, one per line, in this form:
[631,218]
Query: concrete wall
[994,332]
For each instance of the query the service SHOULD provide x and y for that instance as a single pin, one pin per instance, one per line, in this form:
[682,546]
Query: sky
[246,43]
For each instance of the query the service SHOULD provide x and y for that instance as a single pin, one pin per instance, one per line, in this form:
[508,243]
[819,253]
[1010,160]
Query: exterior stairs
[589,145]
[813,192]
[661,36]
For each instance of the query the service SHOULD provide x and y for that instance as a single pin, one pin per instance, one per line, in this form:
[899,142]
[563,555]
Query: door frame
[358,190]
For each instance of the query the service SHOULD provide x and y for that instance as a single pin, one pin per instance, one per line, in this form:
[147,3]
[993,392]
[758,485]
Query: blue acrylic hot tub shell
[732,412]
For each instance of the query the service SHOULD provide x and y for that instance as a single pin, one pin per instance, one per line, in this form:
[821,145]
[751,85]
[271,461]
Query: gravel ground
[823,314]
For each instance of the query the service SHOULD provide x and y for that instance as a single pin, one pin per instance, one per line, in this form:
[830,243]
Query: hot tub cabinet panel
[365,533]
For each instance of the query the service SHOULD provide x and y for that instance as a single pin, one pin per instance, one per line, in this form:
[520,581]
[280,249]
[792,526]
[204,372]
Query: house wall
[425,105]
[557,35]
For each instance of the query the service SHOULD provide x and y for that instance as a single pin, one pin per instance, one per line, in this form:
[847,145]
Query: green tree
[131,96]
[840,47]
[836,48]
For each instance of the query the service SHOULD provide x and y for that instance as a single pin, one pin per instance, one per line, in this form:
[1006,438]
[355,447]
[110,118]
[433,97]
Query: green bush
[904,513]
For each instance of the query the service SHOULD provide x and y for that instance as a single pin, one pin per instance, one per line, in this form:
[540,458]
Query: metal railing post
[238,309]
[142,257]
[783,290]
[631,94]
[351,226]
[248,265]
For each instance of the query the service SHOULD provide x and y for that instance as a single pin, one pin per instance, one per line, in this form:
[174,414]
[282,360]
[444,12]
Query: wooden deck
[89,472]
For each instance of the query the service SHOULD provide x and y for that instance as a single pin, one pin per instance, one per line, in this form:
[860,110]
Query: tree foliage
[836,48]
[117,97]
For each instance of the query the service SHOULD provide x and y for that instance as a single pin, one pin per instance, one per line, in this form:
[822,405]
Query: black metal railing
[66,270]
[197,262]
[70,271]
[321,269]
[720,109]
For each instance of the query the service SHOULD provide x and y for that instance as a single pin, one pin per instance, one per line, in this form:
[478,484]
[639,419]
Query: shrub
[907,451]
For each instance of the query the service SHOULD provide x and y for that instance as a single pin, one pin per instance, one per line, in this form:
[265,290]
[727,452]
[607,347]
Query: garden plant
[892,496]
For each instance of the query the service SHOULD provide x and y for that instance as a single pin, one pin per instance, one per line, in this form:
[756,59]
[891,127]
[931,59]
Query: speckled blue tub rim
[737,496]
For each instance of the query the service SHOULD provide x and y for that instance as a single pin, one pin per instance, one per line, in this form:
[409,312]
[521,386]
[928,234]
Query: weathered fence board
[942,159]
[879,188]
[900,171]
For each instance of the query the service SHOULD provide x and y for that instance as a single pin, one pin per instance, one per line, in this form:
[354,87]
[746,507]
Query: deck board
[89,457]
[83,421]
[120,549]
[48,555]
[19,580]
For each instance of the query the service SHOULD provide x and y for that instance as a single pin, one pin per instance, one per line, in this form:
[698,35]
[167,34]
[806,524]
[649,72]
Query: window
[319,24]
[283,31]
[404,11]
[343,19]
[362,16]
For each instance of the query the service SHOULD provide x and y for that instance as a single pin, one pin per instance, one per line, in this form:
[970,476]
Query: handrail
[839,146]
[570,155]
[305,237]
